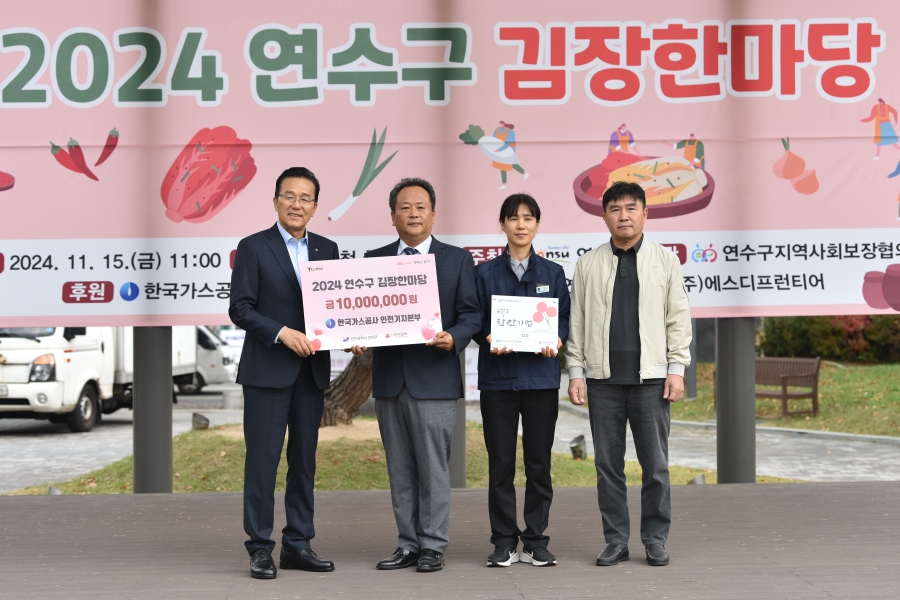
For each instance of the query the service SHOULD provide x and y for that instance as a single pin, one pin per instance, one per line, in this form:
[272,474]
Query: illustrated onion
[789,165]
[806,182]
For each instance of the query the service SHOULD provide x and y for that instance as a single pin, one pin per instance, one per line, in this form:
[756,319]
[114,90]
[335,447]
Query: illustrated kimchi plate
[673,185]
[208,174]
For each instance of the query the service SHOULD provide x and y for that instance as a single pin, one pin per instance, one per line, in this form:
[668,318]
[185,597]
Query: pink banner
[142,141]
[381,301]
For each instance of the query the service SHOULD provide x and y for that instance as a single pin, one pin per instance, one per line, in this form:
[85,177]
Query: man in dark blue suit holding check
[283,376]
[416,388]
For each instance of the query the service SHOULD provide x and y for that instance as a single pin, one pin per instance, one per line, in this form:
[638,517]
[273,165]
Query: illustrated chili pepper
[207,175]
[111,141]
[78,158]
[63,158]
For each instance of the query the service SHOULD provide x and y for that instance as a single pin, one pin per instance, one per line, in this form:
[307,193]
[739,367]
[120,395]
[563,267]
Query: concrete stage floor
[815,540]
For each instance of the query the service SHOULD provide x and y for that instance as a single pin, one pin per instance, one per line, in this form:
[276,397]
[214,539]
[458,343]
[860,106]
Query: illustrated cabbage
[207,175]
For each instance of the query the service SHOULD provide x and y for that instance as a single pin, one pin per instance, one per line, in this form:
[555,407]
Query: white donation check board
[383,301]
[524,324]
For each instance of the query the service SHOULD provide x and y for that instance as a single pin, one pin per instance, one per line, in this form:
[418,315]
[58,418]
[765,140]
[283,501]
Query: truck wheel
[86,410]
[192,387]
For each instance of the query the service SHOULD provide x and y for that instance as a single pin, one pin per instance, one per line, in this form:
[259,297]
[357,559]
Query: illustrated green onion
[371,170]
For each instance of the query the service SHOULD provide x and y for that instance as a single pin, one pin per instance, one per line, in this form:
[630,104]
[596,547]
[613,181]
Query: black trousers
[500,412]
[644,407]
[267,413]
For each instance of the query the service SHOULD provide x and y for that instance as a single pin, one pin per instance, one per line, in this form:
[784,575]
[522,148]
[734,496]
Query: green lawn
[854,399]
[205,461]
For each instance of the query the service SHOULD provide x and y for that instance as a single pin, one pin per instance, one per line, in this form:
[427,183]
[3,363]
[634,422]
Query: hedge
[850,338]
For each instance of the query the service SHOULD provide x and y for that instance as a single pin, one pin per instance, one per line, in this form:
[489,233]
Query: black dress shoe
[657,555]
[304,560]
[400,559]
[613,554]
[430,560]
[261,565]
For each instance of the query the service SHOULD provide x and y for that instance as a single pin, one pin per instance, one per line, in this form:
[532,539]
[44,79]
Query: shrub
[883,337]
[852,338]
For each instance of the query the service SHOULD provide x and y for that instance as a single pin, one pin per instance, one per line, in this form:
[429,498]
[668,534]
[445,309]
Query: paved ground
[777,454]
[810,541]
[38,452]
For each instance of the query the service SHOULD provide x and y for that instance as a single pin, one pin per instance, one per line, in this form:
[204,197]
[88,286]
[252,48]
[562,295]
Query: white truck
[216,362]
[77,374]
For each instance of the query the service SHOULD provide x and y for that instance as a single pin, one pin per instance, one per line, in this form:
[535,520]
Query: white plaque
[524,324]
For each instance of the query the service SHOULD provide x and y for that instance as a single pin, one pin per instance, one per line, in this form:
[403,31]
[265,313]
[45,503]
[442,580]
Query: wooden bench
[787,372]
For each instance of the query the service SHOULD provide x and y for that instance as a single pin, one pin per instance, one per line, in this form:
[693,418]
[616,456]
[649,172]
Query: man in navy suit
[416,388]
[283,376]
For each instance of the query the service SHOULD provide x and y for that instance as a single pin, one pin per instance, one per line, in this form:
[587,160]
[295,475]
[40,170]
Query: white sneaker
[502,557]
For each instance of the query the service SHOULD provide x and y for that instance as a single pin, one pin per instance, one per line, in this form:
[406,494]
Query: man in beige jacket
[629,340]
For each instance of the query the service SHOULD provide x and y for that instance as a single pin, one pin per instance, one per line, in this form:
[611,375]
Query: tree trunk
[348,391]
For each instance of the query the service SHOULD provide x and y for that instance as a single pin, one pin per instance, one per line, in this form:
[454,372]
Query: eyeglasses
[291,198]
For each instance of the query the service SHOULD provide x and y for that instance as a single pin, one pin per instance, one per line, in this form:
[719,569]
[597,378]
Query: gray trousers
[416,435]
[648,412]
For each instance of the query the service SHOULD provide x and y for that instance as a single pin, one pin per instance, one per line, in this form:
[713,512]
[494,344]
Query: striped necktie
[410,250]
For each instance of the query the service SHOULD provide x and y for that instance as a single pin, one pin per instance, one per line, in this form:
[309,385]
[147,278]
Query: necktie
[410,250]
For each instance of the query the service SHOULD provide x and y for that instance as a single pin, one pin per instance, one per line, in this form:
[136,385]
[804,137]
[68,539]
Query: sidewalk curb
[824,435]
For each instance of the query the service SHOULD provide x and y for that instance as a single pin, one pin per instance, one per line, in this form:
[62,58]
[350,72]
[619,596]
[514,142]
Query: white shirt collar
[288,237]
[423,248]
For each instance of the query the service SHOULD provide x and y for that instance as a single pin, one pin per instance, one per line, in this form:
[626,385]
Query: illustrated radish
[806,182]
[790,165]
